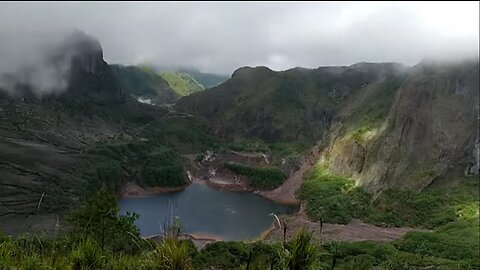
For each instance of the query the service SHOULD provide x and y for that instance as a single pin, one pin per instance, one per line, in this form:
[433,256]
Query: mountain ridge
[386,95]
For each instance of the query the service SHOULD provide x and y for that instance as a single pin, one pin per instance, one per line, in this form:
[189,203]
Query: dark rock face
[73,71]
[90,75]
[473,168]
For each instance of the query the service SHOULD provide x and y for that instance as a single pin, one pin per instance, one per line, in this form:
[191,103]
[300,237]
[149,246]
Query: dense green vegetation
[388,256]
[152,158]
[183,134]
[333,199]
[451,211]
[262,178]
[163,169]
[99,220]
[147,162]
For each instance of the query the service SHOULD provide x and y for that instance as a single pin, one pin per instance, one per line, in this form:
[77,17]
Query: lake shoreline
[133,190]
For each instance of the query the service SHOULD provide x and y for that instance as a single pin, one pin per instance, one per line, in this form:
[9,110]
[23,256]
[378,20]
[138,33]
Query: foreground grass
[100,238]
[298,253]
[170,253]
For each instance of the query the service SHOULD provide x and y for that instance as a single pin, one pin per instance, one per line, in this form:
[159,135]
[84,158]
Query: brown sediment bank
[286,193]
[132,190]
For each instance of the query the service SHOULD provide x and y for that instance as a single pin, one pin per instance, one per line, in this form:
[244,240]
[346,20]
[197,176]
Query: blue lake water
[202,209]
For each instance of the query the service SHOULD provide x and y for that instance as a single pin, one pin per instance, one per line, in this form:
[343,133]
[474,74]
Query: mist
[220,37]
[36,61]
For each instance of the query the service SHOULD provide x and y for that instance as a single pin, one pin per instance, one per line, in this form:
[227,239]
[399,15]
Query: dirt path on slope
[285,194]
[356,230]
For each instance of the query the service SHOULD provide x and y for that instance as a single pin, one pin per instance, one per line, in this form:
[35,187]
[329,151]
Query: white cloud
[220,37]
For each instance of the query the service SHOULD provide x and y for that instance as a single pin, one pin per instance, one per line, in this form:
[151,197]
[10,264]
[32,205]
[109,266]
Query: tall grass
[170,254]
[302,253]
[7,251]
[87,255]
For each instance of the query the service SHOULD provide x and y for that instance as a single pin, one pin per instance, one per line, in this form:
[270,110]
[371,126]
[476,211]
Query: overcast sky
[220,37]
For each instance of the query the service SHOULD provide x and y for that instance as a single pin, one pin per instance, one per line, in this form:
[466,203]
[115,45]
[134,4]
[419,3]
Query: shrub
[333,199]
[439,245]
[302,252]
[170,254]
[407,261]
[99,219]
[222,255]
[263,178]
[164,169]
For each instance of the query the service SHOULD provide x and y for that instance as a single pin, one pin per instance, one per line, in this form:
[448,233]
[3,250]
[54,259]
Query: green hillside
[145,83]
[182,83]
[296,104]
[208,80]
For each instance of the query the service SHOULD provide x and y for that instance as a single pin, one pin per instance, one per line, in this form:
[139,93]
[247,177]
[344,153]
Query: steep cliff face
[430,129]
[73,71]
[90,77]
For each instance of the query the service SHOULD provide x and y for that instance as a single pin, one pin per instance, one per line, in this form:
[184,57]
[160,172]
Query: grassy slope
[208,80]
[182,83]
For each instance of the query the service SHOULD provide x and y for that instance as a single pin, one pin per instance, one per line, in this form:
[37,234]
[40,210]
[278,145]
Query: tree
[100,220]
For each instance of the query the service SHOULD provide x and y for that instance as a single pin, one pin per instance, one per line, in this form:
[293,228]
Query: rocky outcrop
[473,168]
